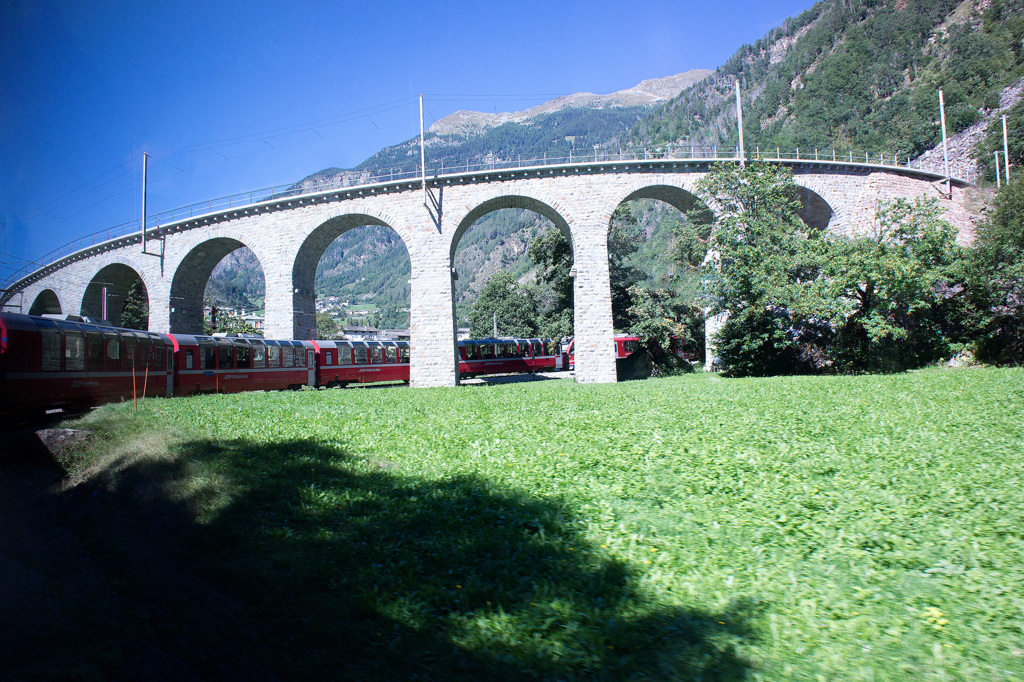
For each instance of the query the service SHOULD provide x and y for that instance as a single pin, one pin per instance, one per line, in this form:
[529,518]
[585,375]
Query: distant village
[350,317]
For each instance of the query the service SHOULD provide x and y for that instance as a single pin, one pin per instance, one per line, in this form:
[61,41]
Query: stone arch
[308,258]
[815,211]
[680,198]
[46,303]
[498,203]
[188,284]
[509,201]
[106,292]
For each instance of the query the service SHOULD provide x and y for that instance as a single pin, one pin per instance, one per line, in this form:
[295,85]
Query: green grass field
[694,528]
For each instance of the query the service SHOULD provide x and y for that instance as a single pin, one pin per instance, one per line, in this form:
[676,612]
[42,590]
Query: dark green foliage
[135,313]
[662,321]
[894,296]
[993,142]
[998,278]
[624,238]
[800,301]
[368,265]
[499,241]
[859,74]
[552,254]
[326,327]
[514,305]
[759,259]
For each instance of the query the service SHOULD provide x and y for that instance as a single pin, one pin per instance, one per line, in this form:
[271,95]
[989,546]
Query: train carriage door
[310,368]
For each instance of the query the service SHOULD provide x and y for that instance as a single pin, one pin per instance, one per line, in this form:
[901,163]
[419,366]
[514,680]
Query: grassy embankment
[691,528]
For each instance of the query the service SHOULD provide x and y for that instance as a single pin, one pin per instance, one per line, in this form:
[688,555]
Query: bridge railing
[315,185]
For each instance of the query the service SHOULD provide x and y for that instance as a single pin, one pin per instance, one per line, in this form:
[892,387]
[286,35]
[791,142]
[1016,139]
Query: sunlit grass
[821,528]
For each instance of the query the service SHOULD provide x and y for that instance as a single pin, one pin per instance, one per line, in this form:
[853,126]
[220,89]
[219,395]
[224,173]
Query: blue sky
[233,96]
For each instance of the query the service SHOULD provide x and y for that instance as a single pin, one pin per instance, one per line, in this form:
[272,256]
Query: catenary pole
[1006,151]
[145,162]
[739,119]
[423,155]
[945,147]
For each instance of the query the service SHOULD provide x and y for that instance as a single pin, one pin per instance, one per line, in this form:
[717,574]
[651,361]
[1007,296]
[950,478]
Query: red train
[50,364]
[56,364]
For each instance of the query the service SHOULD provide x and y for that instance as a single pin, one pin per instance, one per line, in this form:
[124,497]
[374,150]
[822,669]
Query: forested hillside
[857,74]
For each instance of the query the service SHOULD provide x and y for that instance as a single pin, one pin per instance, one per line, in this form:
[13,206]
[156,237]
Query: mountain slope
[856,74]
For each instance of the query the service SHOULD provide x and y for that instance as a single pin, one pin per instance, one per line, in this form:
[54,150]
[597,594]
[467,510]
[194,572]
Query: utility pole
[1006,151]
[739,118]
[996,154]
[423,155]
[945,148]
[145,160]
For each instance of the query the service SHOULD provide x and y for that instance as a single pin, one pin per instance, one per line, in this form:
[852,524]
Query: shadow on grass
[320,565]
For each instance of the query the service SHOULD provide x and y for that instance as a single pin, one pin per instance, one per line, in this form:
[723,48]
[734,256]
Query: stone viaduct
[289,235]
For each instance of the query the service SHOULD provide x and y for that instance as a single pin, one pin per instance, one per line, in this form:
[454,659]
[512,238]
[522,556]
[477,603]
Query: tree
[226,322]
[997,278]
[326,327]
[135,312]
[514,305]
[552,254]
[660,321]
[760,259]
[892,296]
[624,238]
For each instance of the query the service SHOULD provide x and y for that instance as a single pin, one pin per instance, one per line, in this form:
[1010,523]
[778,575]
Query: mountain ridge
[647,92]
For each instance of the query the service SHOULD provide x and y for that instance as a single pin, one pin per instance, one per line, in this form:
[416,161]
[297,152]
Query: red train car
[342,362]
[626,345]
[231,364]
[58,364]
[509,356]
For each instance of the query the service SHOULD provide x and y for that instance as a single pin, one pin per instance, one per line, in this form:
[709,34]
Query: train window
[629,345]
[157,352]
[207,354]
[361,354]
[131,359]
[189,361]
[94,350]
[243,355]
[113,351]
[259,354]
[377,355]
[74,351]
[511,350]
[403,353]
[225,354]
[390,354]
[274,355]
[499,350]
[538,348]
[287,356]
[145,351]
[486,351]
[51,349]
[344,354]
[469,351]
[328,358]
